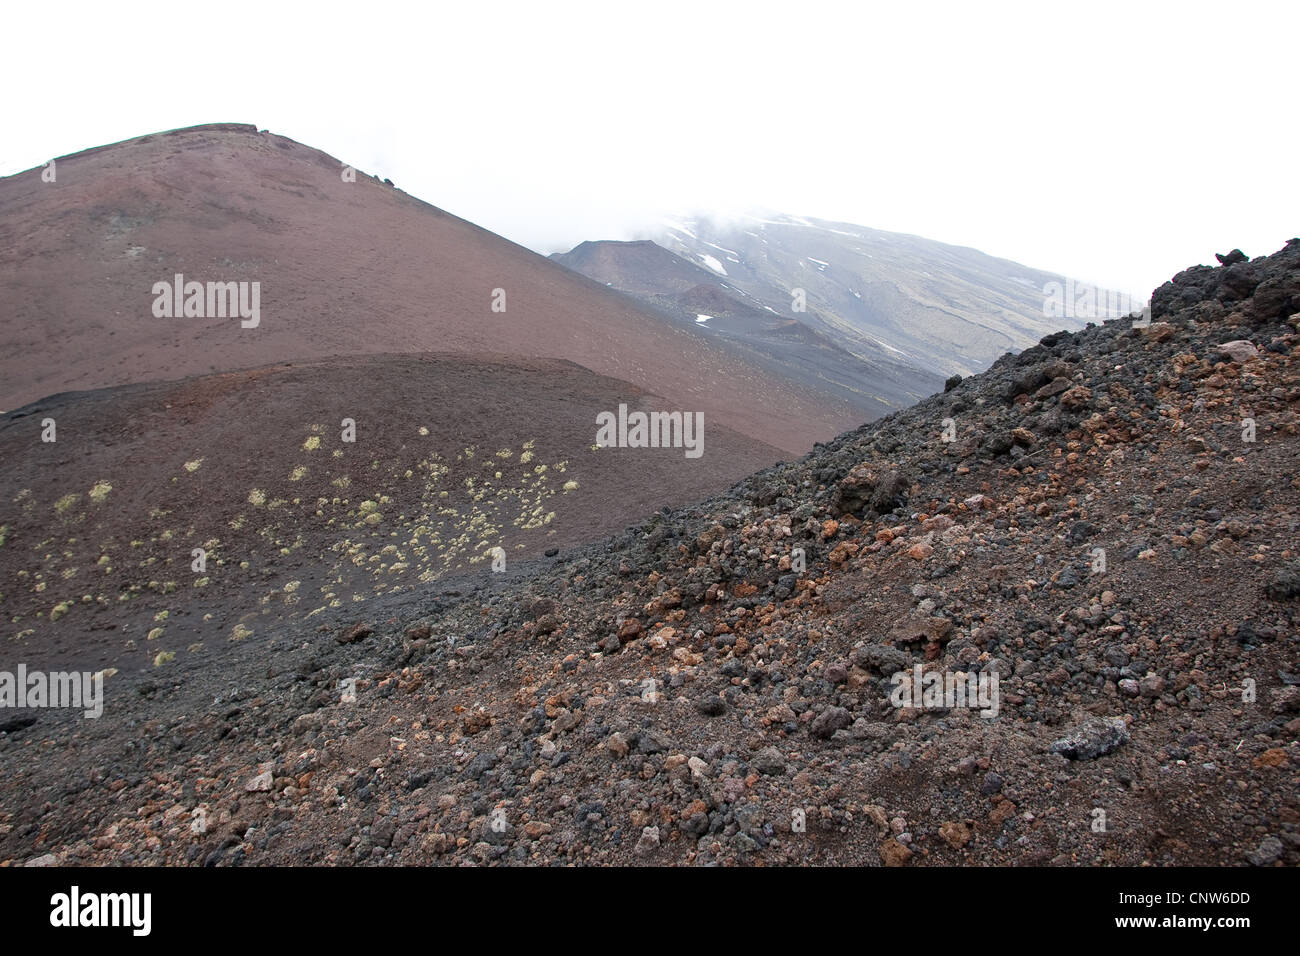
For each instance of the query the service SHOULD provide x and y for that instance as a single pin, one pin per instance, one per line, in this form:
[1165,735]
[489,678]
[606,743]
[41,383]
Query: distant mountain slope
[698,297]
[939,308]
[345,268]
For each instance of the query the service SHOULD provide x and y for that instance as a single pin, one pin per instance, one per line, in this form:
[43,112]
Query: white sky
[1117,142]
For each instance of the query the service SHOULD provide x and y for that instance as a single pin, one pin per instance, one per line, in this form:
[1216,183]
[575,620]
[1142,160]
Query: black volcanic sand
[507,462]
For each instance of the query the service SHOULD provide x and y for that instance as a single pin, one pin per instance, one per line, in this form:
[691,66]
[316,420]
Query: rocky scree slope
[517,724]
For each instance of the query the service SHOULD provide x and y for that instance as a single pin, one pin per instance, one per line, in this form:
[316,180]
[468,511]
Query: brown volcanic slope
[345,268]
[97,528]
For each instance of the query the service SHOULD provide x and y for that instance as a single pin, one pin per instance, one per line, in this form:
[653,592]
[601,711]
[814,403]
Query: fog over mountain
[1037,133]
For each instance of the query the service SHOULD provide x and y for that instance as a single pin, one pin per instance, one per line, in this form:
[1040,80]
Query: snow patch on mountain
[712,263]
